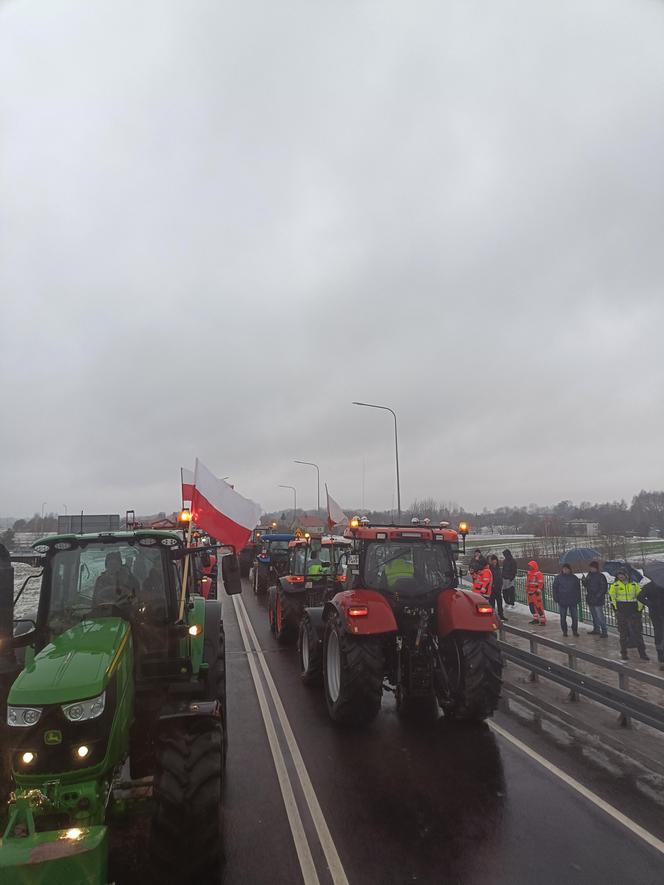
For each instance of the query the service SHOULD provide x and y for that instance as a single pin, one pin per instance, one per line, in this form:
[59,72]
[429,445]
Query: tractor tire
[353,669]
[284,611]
[185,838]
[259,584]
[271,609]
[310,653]
[217,686]
[477,676]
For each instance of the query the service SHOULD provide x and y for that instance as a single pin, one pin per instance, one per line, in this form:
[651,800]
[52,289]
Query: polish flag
[187,481]
[335,515]
[221,511]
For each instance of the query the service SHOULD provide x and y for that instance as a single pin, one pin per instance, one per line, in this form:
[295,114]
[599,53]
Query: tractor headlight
[23,717]
[84,710]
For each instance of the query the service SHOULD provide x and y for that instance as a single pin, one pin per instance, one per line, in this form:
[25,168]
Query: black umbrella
[655,571]
[616,565]
[579,554]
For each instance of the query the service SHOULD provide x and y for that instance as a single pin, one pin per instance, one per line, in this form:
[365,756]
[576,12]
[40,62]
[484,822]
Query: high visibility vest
[315,570]
[534,582]
[483,581]
[621,591]
[398,568]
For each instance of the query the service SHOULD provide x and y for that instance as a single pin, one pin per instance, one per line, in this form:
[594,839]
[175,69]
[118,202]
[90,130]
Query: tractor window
[94,578]
[298,561]
[415,567]
[278,547]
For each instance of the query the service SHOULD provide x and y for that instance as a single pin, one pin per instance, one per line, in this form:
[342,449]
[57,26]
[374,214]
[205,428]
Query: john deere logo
[52,738]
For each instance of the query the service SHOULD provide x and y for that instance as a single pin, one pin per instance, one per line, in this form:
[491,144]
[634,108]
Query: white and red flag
[335,515]
[187,482]
[221,511]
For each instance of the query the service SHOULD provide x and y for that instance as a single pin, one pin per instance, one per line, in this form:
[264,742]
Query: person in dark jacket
[508,577]
[596,589]
[653,596]
[567,593]
[496,586]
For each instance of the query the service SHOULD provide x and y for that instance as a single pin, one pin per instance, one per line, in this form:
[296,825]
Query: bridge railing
[618,697]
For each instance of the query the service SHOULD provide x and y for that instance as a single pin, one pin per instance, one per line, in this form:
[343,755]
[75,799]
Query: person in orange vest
[534,587]
[482,578]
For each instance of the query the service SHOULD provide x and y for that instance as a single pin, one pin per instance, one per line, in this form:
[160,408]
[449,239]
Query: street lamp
[294,491]
[311,464]
[396,447]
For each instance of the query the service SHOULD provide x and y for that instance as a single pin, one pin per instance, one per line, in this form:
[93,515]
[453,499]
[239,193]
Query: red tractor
[310,579]
[399,620]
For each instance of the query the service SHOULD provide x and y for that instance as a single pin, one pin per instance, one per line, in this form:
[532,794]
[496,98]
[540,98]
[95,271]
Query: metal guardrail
[617,698]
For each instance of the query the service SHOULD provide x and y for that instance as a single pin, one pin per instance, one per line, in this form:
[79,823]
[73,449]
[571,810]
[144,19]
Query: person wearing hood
[534,587]
[508,577]
[476,561]
[653,596]
[496,586]
[567,593]
[482,578]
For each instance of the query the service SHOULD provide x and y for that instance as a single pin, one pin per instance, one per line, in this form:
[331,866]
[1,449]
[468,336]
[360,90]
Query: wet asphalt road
[406,802]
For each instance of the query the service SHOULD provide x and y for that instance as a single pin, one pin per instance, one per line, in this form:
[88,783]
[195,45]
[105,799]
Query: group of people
[493,579]
[626,596]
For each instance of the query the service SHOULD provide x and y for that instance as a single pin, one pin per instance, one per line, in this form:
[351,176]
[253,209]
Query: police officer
[624,596]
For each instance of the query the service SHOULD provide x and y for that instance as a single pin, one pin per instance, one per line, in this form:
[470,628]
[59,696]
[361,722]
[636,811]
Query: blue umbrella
[579,554]
[617,565]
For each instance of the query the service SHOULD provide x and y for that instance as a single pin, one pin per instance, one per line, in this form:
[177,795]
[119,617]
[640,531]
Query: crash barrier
[617,698]
[584,612]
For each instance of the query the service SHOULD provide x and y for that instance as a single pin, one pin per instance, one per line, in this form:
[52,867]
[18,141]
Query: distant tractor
[399,620]
[309,581]
[123,685]
[271,561]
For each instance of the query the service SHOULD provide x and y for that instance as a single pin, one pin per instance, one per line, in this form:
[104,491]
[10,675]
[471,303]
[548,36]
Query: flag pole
[185,571]
[182,487]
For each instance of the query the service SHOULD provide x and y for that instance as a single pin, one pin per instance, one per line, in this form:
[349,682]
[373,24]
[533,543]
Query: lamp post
[294,491]
[396,447]
[311,464]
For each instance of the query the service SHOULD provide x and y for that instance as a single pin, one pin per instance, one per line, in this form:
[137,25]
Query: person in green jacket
[624,596]
[315,569]
[400,567]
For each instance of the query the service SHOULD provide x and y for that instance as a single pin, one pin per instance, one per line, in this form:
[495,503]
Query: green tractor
[114,700]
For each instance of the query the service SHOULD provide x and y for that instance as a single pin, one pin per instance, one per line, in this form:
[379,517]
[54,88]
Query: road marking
[327,844]
[304,855]
[627,822]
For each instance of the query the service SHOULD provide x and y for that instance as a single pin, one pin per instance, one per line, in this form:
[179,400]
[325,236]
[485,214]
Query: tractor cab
[271,560]
[406,564]
[311,579]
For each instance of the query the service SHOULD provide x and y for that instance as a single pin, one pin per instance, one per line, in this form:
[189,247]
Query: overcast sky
[220,223]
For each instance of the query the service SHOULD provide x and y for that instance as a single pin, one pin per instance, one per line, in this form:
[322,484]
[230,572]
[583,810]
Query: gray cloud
[220,224]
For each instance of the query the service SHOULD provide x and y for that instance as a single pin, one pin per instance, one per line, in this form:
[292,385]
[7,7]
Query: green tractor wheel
[185,841]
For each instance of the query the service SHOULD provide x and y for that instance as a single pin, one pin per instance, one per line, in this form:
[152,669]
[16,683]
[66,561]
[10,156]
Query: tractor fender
[379,619]
[457,610]
[315,614]
[287,587]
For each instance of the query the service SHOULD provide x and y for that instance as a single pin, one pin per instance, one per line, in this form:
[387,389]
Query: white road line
[304,855]
[329,849]
[627,822]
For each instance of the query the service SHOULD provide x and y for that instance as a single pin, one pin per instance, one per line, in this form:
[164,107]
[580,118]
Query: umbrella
[579,554]
[655,571]
[616,565]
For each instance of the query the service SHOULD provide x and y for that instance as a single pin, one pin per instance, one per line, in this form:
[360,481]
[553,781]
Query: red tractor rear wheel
[284,628]
[353,669]
[475,666]
[310,653]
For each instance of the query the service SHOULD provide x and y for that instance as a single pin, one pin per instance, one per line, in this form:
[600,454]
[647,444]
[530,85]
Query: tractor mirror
[230,573]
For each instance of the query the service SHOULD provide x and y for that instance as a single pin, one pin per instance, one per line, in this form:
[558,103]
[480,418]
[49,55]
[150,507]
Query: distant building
[313,524]
[580,528]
